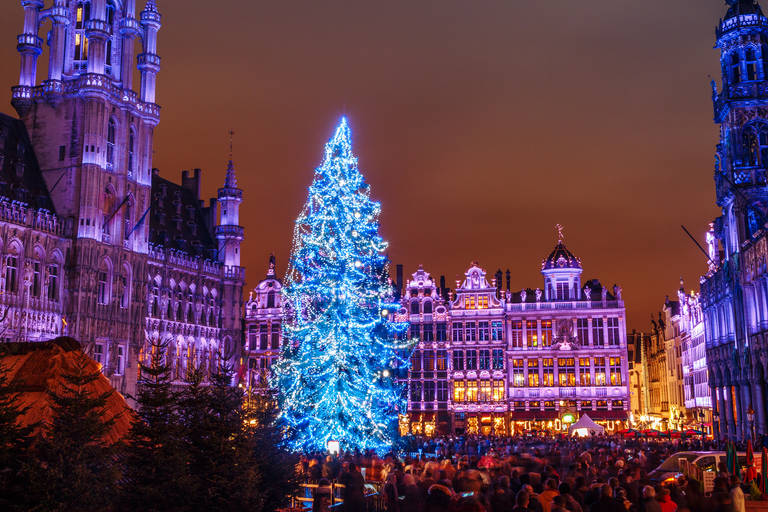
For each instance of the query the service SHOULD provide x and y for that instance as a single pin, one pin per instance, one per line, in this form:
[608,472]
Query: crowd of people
[481,474]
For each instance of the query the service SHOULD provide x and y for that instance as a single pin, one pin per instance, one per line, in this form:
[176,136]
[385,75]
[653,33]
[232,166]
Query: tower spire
[231,179]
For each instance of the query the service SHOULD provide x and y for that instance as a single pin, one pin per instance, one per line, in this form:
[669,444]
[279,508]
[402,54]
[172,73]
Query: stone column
[746,403]
[717,405]
[739,407]
[758,401]
[728,405]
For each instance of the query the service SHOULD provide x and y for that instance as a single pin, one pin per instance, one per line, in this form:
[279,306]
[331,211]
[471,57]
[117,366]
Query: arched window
[131,150]
[53,281]
[428,306]
[756,145]
[82,15]
[104,283]
[12,270]
[190,313]
[169,312]
[734,67]
[415,307]
[271,299]
[111,132]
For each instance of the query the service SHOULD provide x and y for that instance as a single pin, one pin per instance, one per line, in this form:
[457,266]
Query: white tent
[584,427]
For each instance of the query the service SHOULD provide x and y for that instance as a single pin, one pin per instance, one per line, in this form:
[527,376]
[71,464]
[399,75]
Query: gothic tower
[741,110]
[92,134]
[229,234]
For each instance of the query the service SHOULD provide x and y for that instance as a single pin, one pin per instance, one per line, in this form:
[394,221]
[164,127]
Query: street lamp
[751,420]
[701,420]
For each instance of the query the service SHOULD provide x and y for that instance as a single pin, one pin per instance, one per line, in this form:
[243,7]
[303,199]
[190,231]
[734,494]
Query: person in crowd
[521,501]
[548,495]
[353,492]
[649,503]
[667,505]
[737,495]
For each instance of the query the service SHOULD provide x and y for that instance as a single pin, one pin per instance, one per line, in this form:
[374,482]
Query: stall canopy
[585,427]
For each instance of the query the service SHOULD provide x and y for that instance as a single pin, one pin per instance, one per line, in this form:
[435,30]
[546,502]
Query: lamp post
[701,419]
[751,420]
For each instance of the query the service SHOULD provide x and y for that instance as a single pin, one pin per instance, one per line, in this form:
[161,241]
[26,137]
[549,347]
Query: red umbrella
[650,432]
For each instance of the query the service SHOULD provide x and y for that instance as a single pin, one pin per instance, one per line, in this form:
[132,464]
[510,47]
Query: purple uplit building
[487,359]
[94,244]
[492,361]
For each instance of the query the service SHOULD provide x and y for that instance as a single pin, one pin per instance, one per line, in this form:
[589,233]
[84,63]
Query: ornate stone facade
[733,292]
[95,244]
[487,359]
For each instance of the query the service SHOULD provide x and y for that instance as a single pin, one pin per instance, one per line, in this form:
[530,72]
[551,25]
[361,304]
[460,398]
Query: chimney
[443,290]
[498,281]
[191,183]
[509,275]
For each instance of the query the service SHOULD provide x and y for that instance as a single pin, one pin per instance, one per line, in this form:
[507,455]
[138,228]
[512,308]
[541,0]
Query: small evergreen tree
[155,462]
[76,468]
[15,441]
[221,452]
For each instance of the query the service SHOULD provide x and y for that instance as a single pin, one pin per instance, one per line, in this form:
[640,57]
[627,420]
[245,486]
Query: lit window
[533,373]
[599,371]
[459,391]
[485,391]
[615,369]
[585,377]
[472,391]
[469,302]
[546,333]
[532,335]
[518,379]
[482,302]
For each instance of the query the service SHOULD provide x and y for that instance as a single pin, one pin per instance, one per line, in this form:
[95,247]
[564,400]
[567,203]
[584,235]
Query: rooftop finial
[231,180]
[560,234]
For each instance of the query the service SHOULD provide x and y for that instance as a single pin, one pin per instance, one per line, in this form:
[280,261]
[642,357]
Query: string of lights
[335,375]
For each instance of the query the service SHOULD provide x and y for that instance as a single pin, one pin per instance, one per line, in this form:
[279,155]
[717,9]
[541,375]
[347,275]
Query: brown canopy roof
[36,368]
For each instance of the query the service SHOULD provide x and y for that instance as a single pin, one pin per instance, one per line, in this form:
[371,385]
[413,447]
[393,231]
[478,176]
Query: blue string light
[334,376]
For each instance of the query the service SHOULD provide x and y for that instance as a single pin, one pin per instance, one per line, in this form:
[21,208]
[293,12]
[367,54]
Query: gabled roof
[20,176]
[37,368]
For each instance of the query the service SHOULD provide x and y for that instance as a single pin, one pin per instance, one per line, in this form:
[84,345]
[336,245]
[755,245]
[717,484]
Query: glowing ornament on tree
[340,336]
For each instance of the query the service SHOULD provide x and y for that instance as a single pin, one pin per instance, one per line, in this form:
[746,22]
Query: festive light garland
[334,376]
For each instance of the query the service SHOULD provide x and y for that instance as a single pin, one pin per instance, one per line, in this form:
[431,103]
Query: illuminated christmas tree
[334,377]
